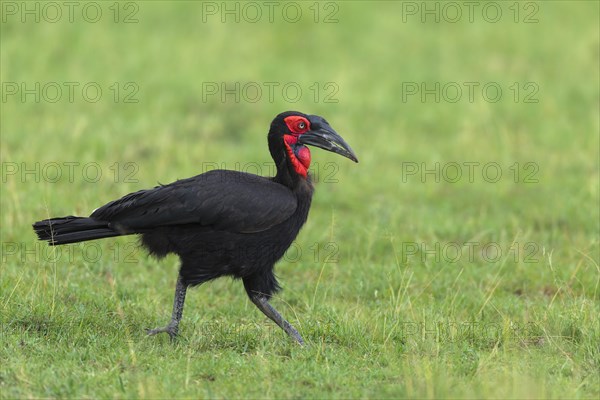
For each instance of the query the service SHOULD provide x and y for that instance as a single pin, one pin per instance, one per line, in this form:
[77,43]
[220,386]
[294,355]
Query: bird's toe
[167,329]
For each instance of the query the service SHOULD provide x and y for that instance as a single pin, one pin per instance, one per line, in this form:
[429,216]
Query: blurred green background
[378,289]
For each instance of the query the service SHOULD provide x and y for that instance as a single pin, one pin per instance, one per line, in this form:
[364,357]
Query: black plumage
[220,223]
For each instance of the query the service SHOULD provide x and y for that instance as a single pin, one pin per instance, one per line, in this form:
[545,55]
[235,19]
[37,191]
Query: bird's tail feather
[72,229]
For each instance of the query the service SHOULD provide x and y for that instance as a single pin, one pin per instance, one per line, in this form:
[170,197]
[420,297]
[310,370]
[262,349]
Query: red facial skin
[301,159]
[294,123]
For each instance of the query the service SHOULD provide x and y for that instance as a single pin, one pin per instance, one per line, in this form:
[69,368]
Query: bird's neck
[292,162]
[288,176]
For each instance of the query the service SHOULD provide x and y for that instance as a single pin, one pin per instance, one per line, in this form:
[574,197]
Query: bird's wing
[220,199]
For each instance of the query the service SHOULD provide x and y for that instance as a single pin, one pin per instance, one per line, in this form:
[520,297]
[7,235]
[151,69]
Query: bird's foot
[170,329]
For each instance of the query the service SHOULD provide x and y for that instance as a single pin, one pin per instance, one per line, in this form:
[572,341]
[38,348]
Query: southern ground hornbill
[220,223]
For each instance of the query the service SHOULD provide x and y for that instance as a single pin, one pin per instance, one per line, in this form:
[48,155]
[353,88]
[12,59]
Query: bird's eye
[301,125]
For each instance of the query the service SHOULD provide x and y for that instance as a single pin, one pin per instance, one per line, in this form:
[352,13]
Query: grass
[401,285]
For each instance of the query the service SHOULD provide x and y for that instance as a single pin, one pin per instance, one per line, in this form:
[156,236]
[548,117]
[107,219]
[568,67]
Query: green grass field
[421,272]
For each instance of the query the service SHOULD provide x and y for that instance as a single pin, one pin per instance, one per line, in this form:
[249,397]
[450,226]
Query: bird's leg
[263,305]
[173,327]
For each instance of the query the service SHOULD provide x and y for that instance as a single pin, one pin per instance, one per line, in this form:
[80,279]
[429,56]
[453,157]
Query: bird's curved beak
[324,136]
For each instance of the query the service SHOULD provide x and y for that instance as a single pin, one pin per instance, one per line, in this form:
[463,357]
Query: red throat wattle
[301,159]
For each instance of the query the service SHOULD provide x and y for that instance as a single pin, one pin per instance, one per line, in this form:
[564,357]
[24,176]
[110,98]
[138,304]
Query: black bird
[222,222]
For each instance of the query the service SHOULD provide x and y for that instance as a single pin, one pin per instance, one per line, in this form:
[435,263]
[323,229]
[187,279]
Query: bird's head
[293,130]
